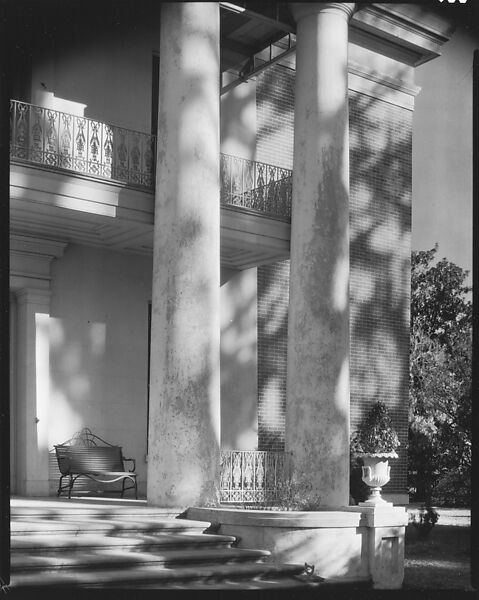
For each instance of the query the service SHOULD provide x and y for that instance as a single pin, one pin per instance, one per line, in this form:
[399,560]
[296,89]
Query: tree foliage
[440,378]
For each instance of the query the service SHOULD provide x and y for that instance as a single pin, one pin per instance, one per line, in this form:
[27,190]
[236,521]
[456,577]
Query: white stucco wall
[98,352]
[92,71]
[442,151]
[99,348]
[108,69]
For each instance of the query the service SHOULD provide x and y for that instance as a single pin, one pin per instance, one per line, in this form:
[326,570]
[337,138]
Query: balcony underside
[78,209]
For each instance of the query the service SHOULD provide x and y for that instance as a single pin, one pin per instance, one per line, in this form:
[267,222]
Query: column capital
[300,10]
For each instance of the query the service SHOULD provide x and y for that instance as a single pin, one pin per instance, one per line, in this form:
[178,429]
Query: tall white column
[317,417]
[184,436]
[33,391]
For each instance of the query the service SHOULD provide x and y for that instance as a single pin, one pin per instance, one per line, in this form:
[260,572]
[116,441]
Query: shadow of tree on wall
[380,225]
[273,300]
[238,361]
[275,116]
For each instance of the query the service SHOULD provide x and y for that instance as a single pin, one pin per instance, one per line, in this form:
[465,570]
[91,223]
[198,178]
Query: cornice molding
[25,244]
[30,262]
[408,33]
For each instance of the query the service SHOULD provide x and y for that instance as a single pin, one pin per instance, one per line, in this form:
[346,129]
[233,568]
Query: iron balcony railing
[60,140]
[252,476]
[256,185]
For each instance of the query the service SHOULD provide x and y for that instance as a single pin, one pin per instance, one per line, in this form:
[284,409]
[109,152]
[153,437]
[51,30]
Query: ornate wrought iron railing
[61,140]
[256,185]
[252,477]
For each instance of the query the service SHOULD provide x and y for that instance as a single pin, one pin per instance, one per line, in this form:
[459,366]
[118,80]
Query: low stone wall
[351,544]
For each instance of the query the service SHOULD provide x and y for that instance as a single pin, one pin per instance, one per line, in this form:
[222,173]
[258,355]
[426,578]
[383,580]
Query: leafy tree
[440,378]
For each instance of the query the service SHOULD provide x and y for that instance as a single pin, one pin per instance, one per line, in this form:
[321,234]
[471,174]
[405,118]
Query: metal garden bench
[87,455]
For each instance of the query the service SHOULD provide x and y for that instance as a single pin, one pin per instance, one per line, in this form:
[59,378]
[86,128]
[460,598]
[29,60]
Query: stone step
[171,540]
[79,544]
[65,510]
[154,576]
[119,558]
[276,581]
[48,526]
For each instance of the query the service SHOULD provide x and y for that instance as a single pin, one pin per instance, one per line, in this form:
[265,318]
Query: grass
[441,561]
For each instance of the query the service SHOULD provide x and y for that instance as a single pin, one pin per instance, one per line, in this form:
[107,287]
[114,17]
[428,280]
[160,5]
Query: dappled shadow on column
[185,386]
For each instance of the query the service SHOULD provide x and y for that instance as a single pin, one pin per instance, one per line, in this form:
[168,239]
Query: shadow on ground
[441,561]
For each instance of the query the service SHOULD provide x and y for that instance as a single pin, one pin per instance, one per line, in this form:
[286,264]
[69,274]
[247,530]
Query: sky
[442,152]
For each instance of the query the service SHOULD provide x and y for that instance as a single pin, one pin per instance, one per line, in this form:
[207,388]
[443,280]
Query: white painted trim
[379,84]
[404,34]
[383,78]
[21,280]
[26,244]
[380,91]
[79,193]
[31,295]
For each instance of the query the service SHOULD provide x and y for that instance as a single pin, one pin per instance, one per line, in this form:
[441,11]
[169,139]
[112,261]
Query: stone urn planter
[376,473]
[375,442]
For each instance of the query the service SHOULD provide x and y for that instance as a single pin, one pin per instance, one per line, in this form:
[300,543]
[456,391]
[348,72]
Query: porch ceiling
[80,210]
[246,28]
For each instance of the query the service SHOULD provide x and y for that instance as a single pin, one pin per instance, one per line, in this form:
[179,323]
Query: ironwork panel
[256,186]
[251,476]
[61,140]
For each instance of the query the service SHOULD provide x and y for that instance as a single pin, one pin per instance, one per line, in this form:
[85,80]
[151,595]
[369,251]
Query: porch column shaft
[317,421]
[33,391]
[184,436]
[6,40]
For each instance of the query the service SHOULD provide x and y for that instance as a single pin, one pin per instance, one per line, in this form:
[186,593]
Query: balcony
[64,142]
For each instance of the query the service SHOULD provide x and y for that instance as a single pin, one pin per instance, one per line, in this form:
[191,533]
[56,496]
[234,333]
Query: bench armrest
[131,460]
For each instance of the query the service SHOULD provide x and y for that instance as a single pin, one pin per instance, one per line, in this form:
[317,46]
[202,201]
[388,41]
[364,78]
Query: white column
[184,436]
[317,417]
[32,391]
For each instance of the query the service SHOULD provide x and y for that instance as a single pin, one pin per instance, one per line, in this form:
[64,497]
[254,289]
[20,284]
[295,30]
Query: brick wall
[380,202]
[272,299]
[275,116]
[380,221]
[274,145]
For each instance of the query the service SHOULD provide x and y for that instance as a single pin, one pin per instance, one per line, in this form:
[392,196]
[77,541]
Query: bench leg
[132,487]
[60,486]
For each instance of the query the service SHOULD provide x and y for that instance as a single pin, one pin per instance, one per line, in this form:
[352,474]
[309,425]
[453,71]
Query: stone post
[184,418]
[317,414]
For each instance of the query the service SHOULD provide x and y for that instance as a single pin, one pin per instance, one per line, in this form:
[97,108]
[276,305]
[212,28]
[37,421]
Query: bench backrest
[73,460]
